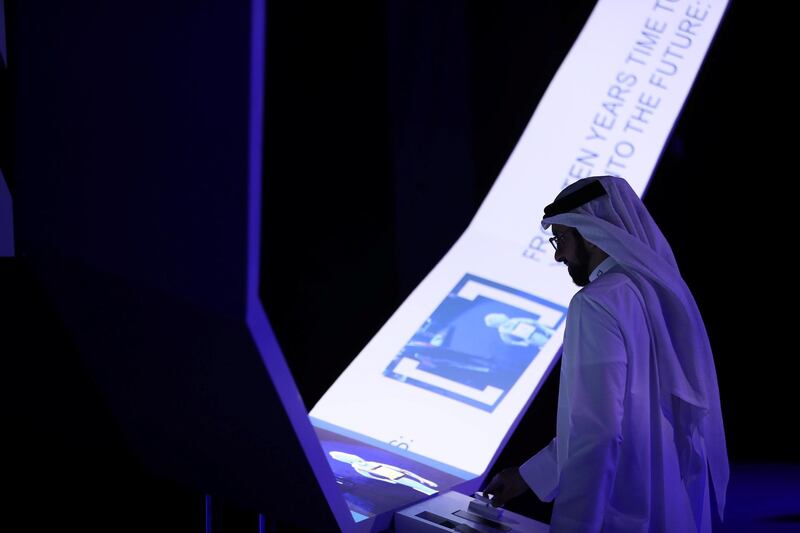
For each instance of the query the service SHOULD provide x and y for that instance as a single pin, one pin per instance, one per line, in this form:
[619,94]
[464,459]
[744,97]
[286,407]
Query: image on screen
[477,343]
[374,480]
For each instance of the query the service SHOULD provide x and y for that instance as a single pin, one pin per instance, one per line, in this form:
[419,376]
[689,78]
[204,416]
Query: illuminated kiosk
[151,257]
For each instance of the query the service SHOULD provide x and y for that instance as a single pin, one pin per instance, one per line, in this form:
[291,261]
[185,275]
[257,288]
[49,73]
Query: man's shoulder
[608,290]
[613,280]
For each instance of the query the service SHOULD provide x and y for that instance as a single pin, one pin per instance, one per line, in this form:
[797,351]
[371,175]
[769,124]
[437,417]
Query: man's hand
[506,485]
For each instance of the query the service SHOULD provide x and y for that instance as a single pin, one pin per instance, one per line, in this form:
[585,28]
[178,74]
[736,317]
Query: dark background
[386,124]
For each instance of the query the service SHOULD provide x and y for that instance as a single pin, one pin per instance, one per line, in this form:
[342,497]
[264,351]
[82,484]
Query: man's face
[572,251]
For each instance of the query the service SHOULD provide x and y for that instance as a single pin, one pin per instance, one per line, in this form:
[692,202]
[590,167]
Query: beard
[579,269]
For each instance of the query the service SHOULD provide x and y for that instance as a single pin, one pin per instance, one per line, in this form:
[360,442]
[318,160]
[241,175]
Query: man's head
[607,212]
[580,256]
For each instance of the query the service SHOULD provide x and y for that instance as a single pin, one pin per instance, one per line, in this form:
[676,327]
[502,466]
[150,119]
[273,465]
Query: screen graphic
[374,480]
[477,343]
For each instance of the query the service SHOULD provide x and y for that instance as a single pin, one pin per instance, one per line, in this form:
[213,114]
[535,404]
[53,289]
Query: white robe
[613,465]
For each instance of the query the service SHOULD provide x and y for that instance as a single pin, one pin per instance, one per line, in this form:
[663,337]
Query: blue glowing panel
[6,219]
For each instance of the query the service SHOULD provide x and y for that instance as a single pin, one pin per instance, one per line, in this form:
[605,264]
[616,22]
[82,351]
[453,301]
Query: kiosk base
[450,512]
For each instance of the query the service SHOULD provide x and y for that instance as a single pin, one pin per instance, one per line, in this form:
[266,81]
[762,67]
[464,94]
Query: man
[639,422]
